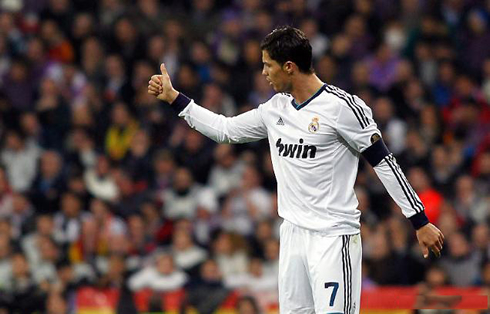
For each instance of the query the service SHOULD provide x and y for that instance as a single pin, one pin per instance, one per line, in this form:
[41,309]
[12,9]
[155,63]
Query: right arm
[246,127]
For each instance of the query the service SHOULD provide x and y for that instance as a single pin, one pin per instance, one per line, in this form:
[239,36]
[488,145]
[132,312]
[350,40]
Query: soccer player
[316,134]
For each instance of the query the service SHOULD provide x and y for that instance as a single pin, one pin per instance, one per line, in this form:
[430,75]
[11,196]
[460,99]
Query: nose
[264,73]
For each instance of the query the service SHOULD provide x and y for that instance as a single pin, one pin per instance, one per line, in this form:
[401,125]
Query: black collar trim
[306,102]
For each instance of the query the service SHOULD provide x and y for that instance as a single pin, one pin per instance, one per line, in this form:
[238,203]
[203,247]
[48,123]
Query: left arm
[356,125]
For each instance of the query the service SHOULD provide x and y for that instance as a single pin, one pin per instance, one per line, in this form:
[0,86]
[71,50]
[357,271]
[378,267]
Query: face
[276,75]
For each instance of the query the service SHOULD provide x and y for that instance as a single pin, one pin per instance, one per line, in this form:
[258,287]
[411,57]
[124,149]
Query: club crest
[314,126]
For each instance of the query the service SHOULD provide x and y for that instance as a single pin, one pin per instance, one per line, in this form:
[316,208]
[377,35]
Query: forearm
[246,127]
[395,182]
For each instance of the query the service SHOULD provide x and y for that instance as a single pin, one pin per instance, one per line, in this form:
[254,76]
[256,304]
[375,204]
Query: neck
[304,86]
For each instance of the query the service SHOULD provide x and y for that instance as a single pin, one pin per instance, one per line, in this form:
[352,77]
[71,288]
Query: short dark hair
[289,44]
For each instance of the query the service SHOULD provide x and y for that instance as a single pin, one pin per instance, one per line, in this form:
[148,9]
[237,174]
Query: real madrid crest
[314,125]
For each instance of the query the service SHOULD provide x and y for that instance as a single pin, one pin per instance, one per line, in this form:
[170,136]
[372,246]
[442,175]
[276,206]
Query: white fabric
[150,278]
[21,166]
[398,188]
[318,259]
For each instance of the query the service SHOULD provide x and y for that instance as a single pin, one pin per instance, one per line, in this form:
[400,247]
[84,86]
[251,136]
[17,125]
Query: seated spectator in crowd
[182,200]
[138,158]
[22,218]
[100,182]
[229,253]
[469,204]
[157,229]
[70,277]
[264,232]
[82,154]
[130,194]
[246,205]
[121,132]
[255,282]
[161,275]
[139,245]
[20,161]
[207,219]
[103,224]
[163,171]
[186,253]
[480,238]
[22,295]
[247,305]
[385,266]
[31,243]
[393,129]
[436,277]
[206,293]
[116,273]
[68,222]
[226,174]
[49,184]
[462,264]
[271,263]
[195,154]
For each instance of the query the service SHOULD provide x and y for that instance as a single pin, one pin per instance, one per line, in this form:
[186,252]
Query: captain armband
[377,151]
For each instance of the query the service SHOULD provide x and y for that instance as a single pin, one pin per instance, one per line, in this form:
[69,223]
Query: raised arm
[356,125]
[246,127]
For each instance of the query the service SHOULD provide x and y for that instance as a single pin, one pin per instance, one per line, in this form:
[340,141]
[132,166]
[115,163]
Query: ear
[288,67]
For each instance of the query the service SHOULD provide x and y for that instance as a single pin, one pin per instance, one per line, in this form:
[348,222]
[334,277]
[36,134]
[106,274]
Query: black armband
[419,220]
[376,152]
[180,102]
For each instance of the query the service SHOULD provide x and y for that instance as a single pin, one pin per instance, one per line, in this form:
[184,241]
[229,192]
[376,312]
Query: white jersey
[315,149]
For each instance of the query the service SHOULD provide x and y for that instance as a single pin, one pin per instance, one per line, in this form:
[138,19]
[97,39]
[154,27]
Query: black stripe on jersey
[328,89]
[349,267]
[352,102]
[402,185]
[363,115]
[418,202]
[344,273]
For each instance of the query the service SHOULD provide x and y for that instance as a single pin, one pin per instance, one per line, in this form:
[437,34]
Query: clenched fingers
[436,250]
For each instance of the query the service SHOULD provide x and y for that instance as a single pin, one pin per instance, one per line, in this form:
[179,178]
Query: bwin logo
[296,150]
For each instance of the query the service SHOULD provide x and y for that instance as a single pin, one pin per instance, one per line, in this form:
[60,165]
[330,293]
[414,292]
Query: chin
[277,89]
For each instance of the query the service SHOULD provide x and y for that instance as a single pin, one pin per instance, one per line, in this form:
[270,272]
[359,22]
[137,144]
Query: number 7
[335,286]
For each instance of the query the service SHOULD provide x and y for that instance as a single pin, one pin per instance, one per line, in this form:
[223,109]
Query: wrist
[419,220]
[180,102]
[172,96]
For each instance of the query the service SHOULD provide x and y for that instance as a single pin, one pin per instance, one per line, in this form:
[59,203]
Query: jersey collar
[306,102]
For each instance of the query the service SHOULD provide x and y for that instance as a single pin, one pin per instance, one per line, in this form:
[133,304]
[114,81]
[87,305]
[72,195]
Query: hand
[161,86]
[430,238]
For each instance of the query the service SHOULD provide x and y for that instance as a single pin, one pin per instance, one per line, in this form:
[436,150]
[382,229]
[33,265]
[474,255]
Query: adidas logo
[280,122]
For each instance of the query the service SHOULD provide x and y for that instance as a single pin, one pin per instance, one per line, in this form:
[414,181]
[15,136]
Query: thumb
[425,251]
[163,69]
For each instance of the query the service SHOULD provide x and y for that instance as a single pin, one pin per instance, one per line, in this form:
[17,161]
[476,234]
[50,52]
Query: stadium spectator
[162,276]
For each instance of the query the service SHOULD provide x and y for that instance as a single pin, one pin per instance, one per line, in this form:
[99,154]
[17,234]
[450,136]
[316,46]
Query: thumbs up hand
[161,86]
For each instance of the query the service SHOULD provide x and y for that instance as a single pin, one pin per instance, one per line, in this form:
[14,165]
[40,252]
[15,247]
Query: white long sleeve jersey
[315,148]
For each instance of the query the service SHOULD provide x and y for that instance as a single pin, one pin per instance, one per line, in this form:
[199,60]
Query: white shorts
[318,273]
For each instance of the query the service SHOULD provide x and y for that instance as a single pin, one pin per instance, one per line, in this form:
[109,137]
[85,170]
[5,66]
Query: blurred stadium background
[109,203]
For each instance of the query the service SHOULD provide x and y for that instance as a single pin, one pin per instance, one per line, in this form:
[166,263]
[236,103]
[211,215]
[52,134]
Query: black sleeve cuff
[376,152]
[180,102]
[419,220]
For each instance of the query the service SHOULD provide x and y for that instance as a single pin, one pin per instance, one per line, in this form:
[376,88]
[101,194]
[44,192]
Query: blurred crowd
[102,185]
